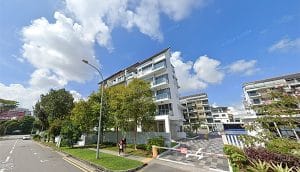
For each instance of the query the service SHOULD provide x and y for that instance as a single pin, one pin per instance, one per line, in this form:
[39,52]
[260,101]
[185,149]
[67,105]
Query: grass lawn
[108,161]
[131,151]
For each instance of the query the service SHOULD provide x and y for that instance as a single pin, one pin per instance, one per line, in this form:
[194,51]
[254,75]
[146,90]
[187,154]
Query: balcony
[164,112]
[159,82]
[163,96]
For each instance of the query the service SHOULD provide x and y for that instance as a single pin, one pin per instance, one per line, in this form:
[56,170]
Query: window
[146,68]
[217,120]
[163,94]
[161,79]
[164,109]
[252,93]
[159,64]
[223,115]
[215,116]
[256,101]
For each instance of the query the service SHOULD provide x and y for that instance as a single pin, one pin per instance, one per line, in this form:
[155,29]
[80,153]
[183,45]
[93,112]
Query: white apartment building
[160,73]
[220,114]
[256,93]
[196,110]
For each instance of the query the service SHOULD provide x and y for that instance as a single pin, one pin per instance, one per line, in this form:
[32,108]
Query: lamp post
[99,126]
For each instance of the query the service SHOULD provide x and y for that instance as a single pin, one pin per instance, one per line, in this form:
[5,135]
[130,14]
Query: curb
[97,167]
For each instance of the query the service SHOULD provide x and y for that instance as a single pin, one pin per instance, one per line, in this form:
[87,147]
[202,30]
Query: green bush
[109,143]
[258,166]
[141,146]
[36,137]
[284,146]
[236,156]
[157,141]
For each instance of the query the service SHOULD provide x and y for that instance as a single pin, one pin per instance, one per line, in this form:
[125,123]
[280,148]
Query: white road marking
[2,170]
[43,160]
[11,152]
[6,160]
[35,153]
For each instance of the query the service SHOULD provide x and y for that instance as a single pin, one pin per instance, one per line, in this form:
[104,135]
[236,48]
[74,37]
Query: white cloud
[195,76]
[77,96]
[58,48]
[25,96]
[99,18]
[286,45]
[208,69]
[43,79]
[243,67]
[187,80]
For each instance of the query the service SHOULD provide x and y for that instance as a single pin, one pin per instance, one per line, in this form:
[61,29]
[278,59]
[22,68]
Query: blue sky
[216,45]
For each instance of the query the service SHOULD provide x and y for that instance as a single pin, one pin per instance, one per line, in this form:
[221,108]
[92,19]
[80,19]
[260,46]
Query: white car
[26,137]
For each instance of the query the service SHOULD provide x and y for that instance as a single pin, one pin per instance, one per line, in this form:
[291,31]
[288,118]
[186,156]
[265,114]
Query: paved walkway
[211,162]
[133,157]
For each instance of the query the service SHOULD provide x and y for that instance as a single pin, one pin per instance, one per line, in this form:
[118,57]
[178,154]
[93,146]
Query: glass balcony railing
[159,65]
[160,81]
[163,96]
[164,112]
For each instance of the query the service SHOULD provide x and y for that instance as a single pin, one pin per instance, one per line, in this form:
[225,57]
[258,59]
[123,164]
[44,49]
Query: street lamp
[99,126]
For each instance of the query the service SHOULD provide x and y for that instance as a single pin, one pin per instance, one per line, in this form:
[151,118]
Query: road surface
[17,155]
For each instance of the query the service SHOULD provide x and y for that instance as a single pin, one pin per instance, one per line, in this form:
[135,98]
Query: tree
[57,104]
[41,114]
[116,98]
[138,105]
[83,115]
[26,124]
[280,110]
[95,101]
[54,129]
[70,133]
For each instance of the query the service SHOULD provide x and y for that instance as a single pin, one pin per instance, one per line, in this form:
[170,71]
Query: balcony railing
[164,112]
[163,96]
[160,81]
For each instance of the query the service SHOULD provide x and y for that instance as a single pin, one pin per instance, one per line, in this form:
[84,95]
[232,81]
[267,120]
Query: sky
[216,46]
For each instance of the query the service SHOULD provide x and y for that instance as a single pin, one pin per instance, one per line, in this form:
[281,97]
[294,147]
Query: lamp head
[85,61]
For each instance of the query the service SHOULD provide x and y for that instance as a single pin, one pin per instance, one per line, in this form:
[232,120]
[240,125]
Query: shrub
[280,168]
[271,157]
[258,166]
[283,145]
[70,133]
[157,141]
[236,156]
[109,143]
[141,146]
[36,137]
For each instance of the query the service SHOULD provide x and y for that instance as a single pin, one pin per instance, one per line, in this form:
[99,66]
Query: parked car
[26,137]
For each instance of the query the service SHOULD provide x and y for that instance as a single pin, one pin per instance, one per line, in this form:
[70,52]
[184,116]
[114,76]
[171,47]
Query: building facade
[196,111]
[160,73]
[256,94]
[221,114]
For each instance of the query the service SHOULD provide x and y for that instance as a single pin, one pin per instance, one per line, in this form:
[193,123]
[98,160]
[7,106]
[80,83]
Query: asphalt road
[17,155]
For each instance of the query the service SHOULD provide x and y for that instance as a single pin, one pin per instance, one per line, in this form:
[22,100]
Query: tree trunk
[135,132]
[117,141]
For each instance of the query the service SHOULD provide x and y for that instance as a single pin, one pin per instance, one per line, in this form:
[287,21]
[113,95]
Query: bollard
[154,151]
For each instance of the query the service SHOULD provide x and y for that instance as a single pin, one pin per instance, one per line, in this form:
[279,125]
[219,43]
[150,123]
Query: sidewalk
[132,157]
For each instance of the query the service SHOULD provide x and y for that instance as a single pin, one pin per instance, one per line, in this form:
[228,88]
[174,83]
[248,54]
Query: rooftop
[136,64]
[290,76]
[193,96]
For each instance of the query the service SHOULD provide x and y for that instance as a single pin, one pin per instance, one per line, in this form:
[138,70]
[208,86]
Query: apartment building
[256,93]
[160,73]
[220,114]
[196,110]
